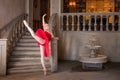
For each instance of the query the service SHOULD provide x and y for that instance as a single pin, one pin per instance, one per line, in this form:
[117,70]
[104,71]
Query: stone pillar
[54,55]
[55,6]
[3,56]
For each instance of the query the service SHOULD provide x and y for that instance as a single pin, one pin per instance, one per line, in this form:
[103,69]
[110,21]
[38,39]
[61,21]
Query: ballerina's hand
[44,15]
[55,38]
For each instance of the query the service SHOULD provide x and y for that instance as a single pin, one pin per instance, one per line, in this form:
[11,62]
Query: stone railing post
[54,55]
[3,56]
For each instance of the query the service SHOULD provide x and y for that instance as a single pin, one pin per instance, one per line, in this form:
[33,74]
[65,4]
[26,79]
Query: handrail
[11,24]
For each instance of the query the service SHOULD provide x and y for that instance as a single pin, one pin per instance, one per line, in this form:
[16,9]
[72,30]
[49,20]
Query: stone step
[26,48]
[26,56]
[32,59]
[26,69]
[26,63]
[27,33]
[28,41]
[26,44]
[26,53]
[27,37]
[29,67]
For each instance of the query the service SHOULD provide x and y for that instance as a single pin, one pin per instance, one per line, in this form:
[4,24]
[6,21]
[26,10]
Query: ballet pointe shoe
[45,72]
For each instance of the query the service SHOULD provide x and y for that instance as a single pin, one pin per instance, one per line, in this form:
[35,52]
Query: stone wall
[73,44]
[9,9]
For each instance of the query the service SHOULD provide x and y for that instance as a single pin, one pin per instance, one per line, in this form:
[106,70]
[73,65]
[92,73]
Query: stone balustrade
[103,21]
[9,35]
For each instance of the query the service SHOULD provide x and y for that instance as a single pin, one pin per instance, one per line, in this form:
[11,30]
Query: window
[74,6]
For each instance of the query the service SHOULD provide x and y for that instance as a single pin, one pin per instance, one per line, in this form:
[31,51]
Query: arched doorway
[40,7]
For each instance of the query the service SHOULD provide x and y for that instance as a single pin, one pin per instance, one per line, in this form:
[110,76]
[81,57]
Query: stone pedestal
[3,56]
[54,55]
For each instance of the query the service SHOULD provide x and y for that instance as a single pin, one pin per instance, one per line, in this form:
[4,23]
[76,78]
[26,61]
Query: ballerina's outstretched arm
[46,26]
[43,19]
[40,40]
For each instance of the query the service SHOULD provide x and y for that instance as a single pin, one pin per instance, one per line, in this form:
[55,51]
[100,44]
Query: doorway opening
[40,7]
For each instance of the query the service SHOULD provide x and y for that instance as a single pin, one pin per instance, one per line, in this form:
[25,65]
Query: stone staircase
[26,57]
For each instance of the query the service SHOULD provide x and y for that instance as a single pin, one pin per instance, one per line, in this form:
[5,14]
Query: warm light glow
[100,6]
[72,3]
[92,6]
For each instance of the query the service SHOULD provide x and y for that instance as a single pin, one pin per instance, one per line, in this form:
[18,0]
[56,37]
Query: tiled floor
[71,70]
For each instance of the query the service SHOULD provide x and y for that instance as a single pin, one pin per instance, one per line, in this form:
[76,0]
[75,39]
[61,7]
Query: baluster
[95,25]
[67,27]
[107,22]
[78,23]
[11,40]
[23,26]
[89,23]
[83,22]
[17,34]
[14,40]
[73,22]
[113,24]
[15,30]
[119,23]
[19,28]
[101,24]
[14,35]
[61,28]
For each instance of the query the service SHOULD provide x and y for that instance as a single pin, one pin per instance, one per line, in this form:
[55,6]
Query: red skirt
[47,37]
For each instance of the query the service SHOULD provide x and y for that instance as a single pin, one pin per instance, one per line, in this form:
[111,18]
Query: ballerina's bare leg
[42,59]
[40,40]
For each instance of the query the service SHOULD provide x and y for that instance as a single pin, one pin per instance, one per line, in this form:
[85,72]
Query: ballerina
[43,37]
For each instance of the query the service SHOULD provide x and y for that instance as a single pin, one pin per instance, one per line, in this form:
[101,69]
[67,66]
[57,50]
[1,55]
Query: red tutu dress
[47,37]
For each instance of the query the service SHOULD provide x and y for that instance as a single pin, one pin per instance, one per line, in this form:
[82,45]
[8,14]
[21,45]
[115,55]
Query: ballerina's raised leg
[41,41]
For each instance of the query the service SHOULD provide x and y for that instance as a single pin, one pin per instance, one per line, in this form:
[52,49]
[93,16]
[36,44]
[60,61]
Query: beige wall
[74,44]
[9,9]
